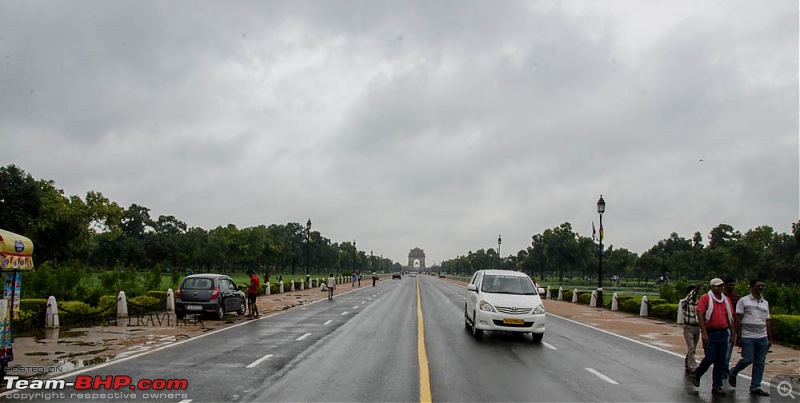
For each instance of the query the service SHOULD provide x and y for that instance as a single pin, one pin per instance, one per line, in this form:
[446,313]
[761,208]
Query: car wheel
[220,311]
[241,309]
[537,337]
[466,317]
[478,333]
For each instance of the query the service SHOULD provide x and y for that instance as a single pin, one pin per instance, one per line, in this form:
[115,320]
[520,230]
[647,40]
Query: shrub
[106,302]
[631,305]
[584,297]
[568,295]
[786,328]
[143,304]
[665,311]
[656,302]
[33,305]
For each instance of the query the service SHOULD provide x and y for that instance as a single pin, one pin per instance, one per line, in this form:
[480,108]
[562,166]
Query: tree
[19,200]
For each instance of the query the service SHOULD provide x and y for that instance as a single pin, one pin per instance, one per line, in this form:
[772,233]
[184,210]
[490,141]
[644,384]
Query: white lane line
[548,345]
[302,337]
[259,361]
[328,322]
[355,307]
[345,313]
[601,376]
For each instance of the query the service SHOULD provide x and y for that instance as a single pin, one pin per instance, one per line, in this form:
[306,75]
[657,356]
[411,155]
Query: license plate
[511,321]
[194,308]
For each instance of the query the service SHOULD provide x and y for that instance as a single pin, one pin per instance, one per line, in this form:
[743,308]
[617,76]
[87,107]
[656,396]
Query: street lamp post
[601,208]
[308,247]
[499,241]
[355,252]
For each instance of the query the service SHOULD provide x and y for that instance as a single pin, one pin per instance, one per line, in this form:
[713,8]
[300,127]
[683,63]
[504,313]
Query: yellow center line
[424,375]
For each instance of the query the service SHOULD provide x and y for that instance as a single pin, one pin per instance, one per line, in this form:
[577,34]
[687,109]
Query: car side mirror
[541,291]
[472,287]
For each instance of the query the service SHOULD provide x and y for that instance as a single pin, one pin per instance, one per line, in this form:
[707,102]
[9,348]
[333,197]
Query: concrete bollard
[291,286]
[267,289]
[575,296]
[593,301]
[280,287]
[615,302]
[51,318]
[122,305]
[170,300]
[560,293]
[643,308]
[547,293]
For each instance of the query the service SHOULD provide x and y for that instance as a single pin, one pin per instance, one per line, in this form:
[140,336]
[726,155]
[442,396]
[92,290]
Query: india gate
[416,260]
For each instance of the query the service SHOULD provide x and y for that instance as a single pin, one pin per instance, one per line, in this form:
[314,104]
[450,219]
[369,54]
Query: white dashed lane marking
[328,322]
[601,376]
[259,361]
[303,337]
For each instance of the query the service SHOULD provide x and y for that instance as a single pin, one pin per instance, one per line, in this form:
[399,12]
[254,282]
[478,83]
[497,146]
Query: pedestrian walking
[374,277]
[753,326]
[715,316]
[359,279]
[331,284]
[730,286]
[354,279]
[687,315]
[252,295]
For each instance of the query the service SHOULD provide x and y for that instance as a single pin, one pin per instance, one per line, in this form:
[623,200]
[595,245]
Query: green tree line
[560,252]
[69,231]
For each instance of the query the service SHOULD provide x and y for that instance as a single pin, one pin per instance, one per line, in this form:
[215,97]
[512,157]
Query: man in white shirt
[753,326]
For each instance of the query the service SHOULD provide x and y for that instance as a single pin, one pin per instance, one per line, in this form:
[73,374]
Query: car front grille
[500,323]
[510,310]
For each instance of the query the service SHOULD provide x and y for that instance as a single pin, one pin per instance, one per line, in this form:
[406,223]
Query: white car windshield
[508,285]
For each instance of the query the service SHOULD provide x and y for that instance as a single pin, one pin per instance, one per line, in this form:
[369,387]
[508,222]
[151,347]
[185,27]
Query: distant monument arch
[416,260]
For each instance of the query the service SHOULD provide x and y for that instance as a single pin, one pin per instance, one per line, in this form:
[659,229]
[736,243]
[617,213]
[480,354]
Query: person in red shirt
[715,316]
[252,294]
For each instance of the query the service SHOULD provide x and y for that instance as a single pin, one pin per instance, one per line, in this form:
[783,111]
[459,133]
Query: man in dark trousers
[715,316]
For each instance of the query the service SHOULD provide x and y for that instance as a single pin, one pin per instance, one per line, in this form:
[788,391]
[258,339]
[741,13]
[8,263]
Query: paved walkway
[781,360]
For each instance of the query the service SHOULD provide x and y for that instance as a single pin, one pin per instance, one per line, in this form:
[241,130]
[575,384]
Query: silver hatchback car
[504,300]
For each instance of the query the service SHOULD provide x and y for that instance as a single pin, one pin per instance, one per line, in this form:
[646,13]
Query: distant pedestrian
[331,284]
[374,277]
[730,286]
[252,295]
[753,326]
[354,279]
[687,315]
[359,279]
[715,316]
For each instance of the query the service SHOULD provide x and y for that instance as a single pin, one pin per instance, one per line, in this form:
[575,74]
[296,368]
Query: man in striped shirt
[753,324]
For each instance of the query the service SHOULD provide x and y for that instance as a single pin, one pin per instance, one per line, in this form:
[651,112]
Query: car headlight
[487,307]
[538,310]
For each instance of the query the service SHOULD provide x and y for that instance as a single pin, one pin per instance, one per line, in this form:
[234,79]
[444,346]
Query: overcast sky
[430,124]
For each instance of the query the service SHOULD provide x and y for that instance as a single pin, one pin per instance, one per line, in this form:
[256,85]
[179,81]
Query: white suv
[504,300]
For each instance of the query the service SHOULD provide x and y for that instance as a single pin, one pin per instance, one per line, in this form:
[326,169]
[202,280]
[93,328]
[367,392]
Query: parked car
[504,300]
[412,274]
[215,294]
[396,275]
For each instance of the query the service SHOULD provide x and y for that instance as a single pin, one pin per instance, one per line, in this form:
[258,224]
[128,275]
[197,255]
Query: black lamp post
[308,246]
[499,241]
[355,252]
[601,208]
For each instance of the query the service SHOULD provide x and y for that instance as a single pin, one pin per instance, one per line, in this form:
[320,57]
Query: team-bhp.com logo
[89,386]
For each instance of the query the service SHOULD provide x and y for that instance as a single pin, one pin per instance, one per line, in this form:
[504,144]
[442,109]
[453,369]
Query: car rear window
[508,285]
[198,283]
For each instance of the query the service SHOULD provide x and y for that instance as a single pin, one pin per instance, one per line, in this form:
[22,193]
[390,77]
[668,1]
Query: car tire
[241,309]
[537,337]
[478,333]
[220,310]
[466,317]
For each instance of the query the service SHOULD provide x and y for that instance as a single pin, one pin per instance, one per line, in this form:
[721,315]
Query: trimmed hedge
[664,311]
[584,297]
[567,295]
[786,328]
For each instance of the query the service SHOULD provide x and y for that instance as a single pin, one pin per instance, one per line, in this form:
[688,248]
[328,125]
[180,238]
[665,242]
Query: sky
[402,124]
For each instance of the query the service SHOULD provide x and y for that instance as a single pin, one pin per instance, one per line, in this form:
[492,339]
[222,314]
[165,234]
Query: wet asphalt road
[362,347]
